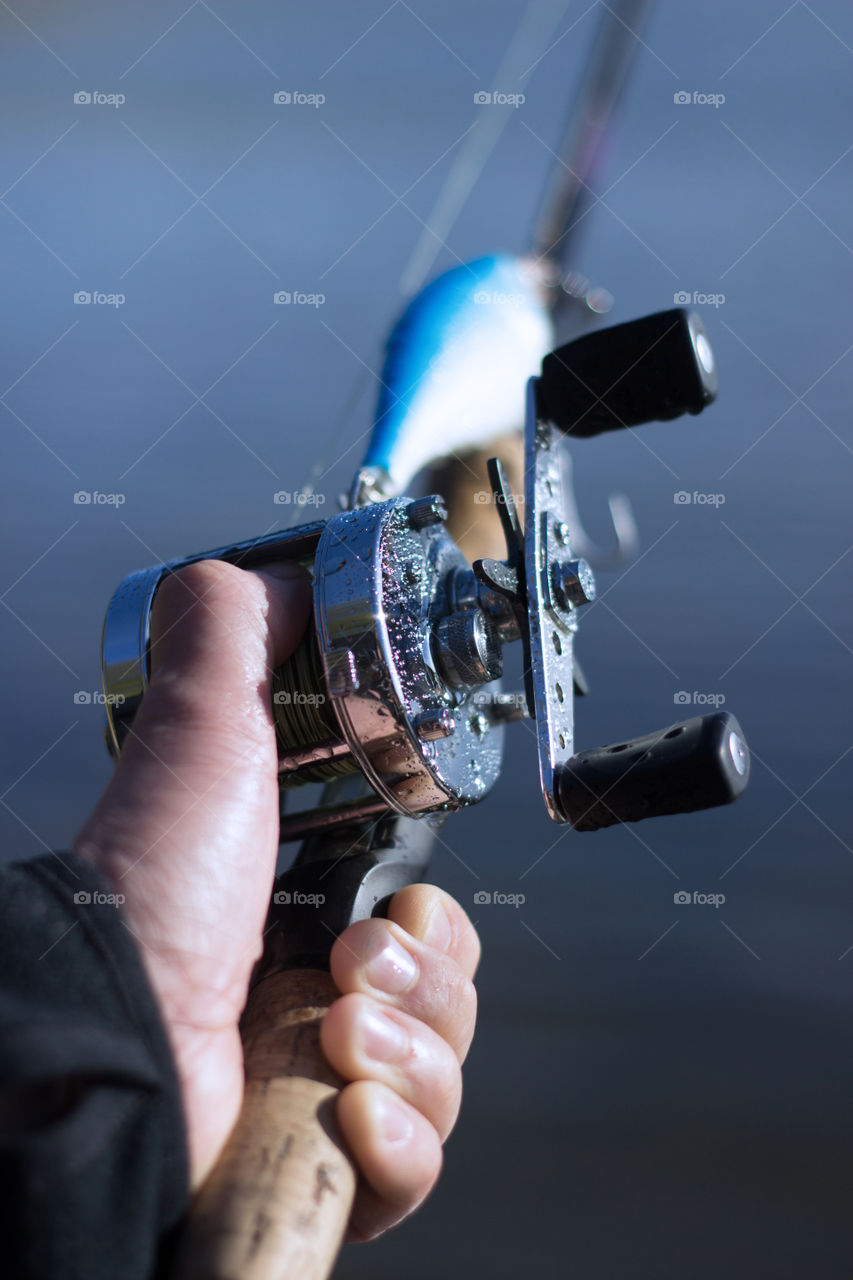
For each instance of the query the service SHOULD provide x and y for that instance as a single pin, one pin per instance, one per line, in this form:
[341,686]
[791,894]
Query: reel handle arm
[698,764]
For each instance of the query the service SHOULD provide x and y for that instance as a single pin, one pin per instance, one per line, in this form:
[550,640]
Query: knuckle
[346,1011]
[445,1093]
[198,579]
[472,940]
[455,1000]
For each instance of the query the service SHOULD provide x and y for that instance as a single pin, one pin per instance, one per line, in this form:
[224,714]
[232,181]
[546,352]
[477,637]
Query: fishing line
[538,24]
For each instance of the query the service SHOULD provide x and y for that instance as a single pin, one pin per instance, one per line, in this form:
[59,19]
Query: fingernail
[439,931]
[389,967]
[381,1038]
[396,1123]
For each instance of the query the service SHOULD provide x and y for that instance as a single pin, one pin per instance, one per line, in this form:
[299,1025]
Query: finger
[199,771]
[216,634]
[214,622]
[397,1151]
[377,958]
[364,1040]
[432,916]
[289,603]
[208,712]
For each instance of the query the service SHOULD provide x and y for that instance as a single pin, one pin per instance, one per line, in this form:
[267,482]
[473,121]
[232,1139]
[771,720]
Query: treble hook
[625,532]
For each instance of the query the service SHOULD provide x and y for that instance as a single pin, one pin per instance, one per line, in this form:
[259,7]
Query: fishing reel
[393,693]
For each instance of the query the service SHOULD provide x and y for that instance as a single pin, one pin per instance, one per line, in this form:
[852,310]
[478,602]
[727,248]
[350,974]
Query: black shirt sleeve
[93,1161]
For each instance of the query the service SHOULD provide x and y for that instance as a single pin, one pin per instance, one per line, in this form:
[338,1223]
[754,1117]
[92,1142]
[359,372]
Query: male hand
[187,830]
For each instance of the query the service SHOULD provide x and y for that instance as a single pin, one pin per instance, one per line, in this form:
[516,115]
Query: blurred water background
[656,1090]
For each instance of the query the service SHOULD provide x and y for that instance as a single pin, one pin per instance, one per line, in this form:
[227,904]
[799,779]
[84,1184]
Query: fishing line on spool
[304,717]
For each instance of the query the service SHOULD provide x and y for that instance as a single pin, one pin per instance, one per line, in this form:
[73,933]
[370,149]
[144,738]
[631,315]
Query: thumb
[217,633]
[219,625]
[198,773]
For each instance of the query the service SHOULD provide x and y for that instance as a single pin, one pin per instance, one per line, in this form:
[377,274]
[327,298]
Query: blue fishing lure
[457,362]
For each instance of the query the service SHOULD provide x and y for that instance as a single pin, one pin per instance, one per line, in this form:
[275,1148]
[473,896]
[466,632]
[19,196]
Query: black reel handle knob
[698,764]
[648,370]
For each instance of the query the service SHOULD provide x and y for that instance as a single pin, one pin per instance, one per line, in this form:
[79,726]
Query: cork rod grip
[464,484]
[276,1205]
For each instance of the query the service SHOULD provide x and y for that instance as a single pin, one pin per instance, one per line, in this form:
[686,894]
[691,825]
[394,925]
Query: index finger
[434,918]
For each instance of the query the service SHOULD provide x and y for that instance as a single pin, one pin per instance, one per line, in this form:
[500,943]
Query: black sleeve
[93,1161]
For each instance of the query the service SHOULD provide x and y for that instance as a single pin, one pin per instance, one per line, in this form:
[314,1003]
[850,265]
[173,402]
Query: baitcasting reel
[395,682]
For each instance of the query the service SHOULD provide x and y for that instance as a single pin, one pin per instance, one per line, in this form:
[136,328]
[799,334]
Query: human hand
[188,831]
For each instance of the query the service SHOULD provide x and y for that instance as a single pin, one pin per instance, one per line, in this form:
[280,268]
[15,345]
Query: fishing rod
[392,700]
[566,300]
[585,140]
